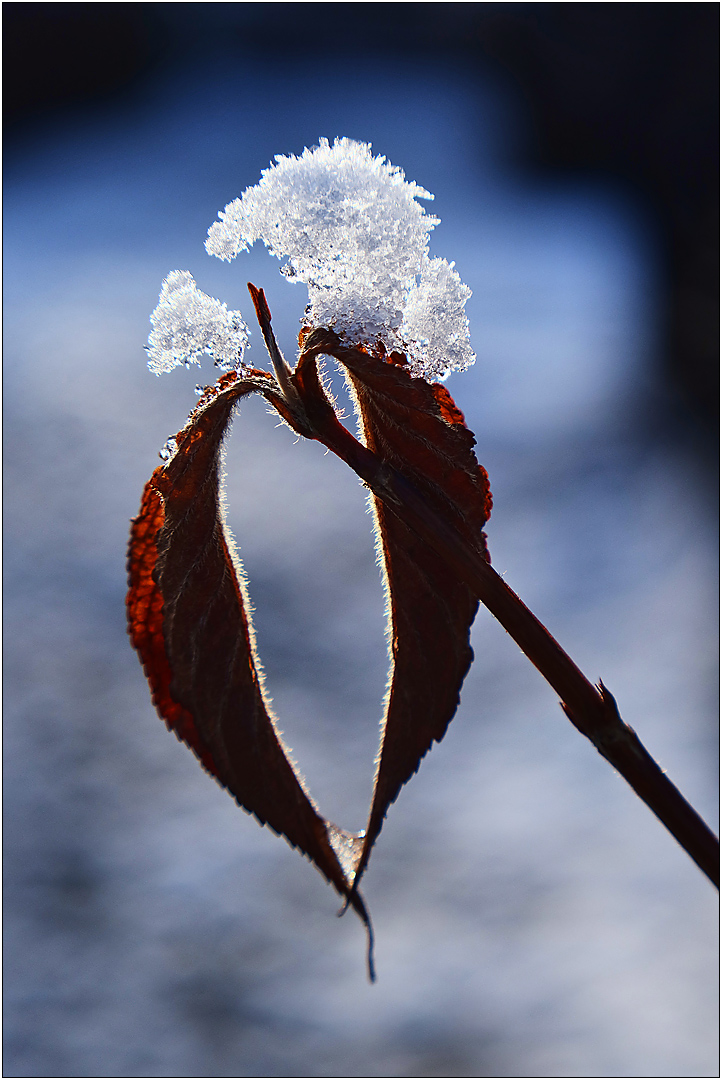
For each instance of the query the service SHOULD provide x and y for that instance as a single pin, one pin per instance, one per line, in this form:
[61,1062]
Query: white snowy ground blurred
[532,917]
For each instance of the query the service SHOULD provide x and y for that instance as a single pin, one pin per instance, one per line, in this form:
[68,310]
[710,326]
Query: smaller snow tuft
[188,323]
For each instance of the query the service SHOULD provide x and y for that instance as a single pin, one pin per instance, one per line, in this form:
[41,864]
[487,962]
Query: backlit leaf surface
[414,426]
[188,619]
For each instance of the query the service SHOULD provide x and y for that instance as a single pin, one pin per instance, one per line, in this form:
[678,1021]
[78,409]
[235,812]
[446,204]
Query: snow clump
[188,322]
[349,226]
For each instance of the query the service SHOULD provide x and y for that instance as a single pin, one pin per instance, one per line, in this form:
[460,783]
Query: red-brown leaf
[188,619]
[415,427]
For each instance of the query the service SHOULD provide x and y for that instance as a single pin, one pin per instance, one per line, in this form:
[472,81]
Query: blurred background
[532,917]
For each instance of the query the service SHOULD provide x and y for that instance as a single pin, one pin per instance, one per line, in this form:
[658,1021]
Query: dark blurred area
[627,92]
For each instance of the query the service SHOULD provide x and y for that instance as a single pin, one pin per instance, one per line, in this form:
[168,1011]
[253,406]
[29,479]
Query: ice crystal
[187,323]
[168,449]
[349,226]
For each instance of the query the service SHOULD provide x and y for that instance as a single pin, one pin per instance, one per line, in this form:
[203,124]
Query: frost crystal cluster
[187,323]
[349,226]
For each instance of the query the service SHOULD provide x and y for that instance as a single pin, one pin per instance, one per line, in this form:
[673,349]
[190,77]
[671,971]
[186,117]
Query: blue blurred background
[532,917]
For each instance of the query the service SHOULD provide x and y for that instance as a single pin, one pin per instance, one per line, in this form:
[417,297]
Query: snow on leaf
[435,327]
[187,323]
[349,226]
